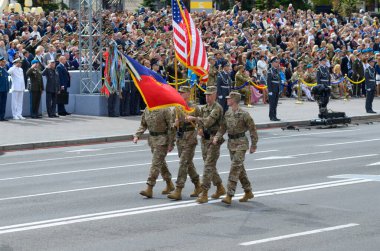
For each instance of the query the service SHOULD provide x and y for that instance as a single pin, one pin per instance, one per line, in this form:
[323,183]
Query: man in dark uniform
[357,75]
[370,85]
[36,88]
[224,83]
[274,81]
[323,74]
[52,88]
[4,88]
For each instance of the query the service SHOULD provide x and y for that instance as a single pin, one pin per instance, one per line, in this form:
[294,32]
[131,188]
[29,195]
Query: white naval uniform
[18,88]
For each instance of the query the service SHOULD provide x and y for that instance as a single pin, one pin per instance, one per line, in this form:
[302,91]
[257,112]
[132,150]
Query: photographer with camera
[209,122]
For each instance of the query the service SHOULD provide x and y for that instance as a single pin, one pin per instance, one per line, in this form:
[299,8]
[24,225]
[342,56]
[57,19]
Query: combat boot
[169,187]
[219,191]
[197,190]
[247,195]
[148,192]
[203,197]
[227,199]
[176,195]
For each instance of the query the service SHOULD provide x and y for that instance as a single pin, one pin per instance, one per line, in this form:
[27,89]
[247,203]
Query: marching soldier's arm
[142,128]
[252,130]
[221,131]
[211,119]
[171,131]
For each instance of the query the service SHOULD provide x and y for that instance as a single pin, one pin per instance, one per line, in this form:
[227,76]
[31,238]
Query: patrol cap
[184,89]
[234,95]
[17,60]
[371,59]
[210,90]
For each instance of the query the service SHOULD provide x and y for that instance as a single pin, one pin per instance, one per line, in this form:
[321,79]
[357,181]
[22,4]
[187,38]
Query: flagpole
[176,86]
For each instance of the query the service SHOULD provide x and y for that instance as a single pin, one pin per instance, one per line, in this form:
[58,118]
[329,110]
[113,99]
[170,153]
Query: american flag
[188,44]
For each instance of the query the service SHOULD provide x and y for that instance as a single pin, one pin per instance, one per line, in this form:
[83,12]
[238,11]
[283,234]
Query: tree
[345,7]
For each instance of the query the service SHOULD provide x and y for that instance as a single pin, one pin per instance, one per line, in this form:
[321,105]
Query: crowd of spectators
[237,37]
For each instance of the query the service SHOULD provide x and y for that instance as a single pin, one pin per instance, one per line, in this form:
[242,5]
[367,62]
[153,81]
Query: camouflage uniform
[241,79]
[236,123]
[161,136]
[209,120]
[212,76]
[186,144]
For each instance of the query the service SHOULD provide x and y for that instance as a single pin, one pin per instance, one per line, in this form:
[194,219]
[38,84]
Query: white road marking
[136,183]
[154,208]
[291,156]
[310,134]
[316,231]
[70,157]
[357,176]
[306,163]
[85,150]
[374,164]
[350,142]
[102,168]
[107,148]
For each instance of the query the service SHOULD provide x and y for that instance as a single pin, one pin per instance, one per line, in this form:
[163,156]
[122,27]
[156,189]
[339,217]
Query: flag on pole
[188,44]
[153,88]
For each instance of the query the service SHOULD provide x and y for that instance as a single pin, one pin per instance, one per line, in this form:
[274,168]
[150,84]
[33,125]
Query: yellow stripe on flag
[201,5]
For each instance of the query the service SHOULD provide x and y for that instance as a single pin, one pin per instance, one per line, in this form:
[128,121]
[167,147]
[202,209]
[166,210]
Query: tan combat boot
[248,195]
[197,190]
[203,197]
[219,191]
[176,195]
[227,199]
[148,192]
[169,187]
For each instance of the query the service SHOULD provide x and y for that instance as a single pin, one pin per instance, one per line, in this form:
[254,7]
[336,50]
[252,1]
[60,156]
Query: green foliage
[51,7]
[269,4]
[345,7]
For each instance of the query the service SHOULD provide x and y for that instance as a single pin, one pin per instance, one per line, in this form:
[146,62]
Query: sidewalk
[78,129]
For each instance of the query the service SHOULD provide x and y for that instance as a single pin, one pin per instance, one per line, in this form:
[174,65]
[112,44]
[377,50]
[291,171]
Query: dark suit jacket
[344,66]
[52,80]
[64,76]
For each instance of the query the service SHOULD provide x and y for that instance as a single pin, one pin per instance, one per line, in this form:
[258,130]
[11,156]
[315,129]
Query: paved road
[315,190]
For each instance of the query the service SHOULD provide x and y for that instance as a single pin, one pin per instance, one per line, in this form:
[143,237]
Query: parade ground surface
[77,129]
[314,190]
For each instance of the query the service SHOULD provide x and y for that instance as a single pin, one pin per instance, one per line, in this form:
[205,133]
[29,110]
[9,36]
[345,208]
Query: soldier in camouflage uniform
[240,80]
[186,144]
[209,121]
[161,141]
[236,122]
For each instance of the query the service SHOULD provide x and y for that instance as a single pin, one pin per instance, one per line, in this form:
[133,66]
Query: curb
[129,137]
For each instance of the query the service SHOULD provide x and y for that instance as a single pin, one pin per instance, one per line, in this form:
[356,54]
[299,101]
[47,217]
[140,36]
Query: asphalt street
[314,190]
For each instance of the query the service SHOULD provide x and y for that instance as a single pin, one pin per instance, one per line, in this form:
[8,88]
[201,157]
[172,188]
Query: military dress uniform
[161,138]
[370,86]
[323,76]
[236,123]
[209,120]
[224,83]
[240,80]
[273,83]
[4,89]
[36,88]
[186,144]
